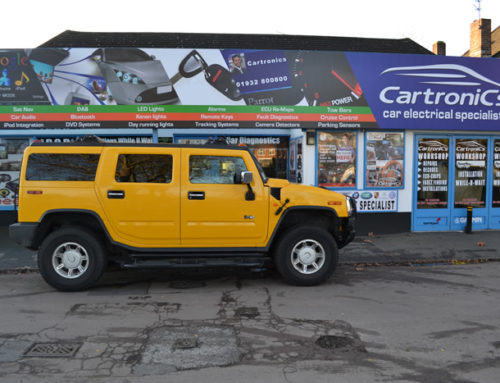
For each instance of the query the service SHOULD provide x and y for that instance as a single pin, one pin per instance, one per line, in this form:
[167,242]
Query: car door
[216,211]
[139,190]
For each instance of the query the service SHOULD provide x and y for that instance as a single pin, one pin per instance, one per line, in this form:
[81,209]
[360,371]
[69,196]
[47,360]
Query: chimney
[439,48]
[480,38]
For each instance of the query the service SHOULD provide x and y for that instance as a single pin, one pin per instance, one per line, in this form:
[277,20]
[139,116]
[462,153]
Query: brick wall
[480,38]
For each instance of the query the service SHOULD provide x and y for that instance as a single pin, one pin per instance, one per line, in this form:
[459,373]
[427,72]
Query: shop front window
[470,172]
[496,175]
[295,160]
[432,169]
[384,159]
[337,159]
[11,154]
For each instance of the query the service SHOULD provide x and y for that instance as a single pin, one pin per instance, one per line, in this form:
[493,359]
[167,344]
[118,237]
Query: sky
[30,24]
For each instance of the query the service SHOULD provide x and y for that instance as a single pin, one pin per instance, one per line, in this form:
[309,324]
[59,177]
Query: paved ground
[429,324]
[433,316]
[382,249]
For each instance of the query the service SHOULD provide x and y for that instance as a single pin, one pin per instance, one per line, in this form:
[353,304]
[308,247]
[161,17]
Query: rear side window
[153,168]
[61,167]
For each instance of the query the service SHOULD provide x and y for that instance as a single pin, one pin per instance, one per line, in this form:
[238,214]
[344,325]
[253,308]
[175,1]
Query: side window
[154,168]
[61,167]
[214,169]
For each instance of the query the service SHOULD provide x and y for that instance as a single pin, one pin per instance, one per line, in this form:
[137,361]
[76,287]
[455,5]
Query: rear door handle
[196,195]
[116,194]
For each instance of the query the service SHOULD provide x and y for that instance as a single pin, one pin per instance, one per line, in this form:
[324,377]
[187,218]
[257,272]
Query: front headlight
[128,78]
[350,207]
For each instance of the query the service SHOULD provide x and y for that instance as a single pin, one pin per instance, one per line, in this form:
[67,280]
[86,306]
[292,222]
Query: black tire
[71,258]
[306,255]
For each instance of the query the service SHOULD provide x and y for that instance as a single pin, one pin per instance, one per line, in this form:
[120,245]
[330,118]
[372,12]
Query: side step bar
[186,262]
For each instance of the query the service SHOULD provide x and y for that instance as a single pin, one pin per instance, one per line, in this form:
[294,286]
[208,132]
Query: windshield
[126,55]
[259,168]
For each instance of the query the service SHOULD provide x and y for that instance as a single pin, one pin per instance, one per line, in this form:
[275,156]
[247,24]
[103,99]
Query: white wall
[405,195]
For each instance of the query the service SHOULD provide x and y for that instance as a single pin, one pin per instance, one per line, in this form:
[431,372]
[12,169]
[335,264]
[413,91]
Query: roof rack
[220,140]
[90,139]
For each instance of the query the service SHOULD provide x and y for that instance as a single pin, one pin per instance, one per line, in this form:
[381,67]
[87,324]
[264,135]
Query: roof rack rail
[90,139]
[220,140]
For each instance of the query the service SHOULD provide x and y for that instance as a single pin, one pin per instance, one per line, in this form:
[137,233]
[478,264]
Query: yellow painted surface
[149,214]
[55,195]
[156,215]
[224,218]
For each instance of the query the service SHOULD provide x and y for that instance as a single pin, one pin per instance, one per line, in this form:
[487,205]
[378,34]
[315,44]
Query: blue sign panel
[430,92]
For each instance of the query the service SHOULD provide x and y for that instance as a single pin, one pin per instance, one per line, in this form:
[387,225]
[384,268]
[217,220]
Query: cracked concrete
[424,324]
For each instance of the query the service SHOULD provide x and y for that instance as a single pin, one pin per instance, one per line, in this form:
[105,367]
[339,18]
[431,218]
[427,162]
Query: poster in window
[292,159]
[11,154]
[470,172]
[337,159]
[384,159]
[299,160]
[432,173]
[496,174]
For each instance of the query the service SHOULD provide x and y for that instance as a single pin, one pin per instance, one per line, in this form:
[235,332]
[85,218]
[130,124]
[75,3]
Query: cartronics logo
[432,146]
[470,146]
[444,76]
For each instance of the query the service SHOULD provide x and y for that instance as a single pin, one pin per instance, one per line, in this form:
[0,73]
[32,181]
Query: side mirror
[243,178]
[246,177]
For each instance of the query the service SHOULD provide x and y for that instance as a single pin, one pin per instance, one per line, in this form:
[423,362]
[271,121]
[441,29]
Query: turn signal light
[337,203]
[35,192]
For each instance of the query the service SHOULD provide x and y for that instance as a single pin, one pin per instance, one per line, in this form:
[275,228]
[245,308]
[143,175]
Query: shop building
[412,136]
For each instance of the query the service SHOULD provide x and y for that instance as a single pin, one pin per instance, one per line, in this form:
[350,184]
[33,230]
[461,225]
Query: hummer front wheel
[306,255]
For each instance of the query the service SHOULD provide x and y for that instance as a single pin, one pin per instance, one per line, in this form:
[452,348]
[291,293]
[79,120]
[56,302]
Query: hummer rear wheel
[71,258]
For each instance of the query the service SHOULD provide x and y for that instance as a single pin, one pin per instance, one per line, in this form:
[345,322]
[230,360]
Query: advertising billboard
[243,88]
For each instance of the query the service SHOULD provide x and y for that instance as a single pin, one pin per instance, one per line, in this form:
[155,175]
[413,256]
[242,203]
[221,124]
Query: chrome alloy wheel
[308,256]
[70,260]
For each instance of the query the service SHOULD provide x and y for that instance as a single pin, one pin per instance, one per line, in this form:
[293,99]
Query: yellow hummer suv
[86,203]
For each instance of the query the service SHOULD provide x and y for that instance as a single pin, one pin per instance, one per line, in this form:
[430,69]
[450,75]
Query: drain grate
[53,350]
[185,343]
[333,342]
[247,312]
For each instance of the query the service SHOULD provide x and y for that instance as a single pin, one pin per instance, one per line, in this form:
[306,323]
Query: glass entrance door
[494,208]
[451,174]
[470,172]
[431,202]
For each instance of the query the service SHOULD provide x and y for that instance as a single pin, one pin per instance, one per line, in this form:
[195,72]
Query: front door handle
[196,195]
[116,194]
